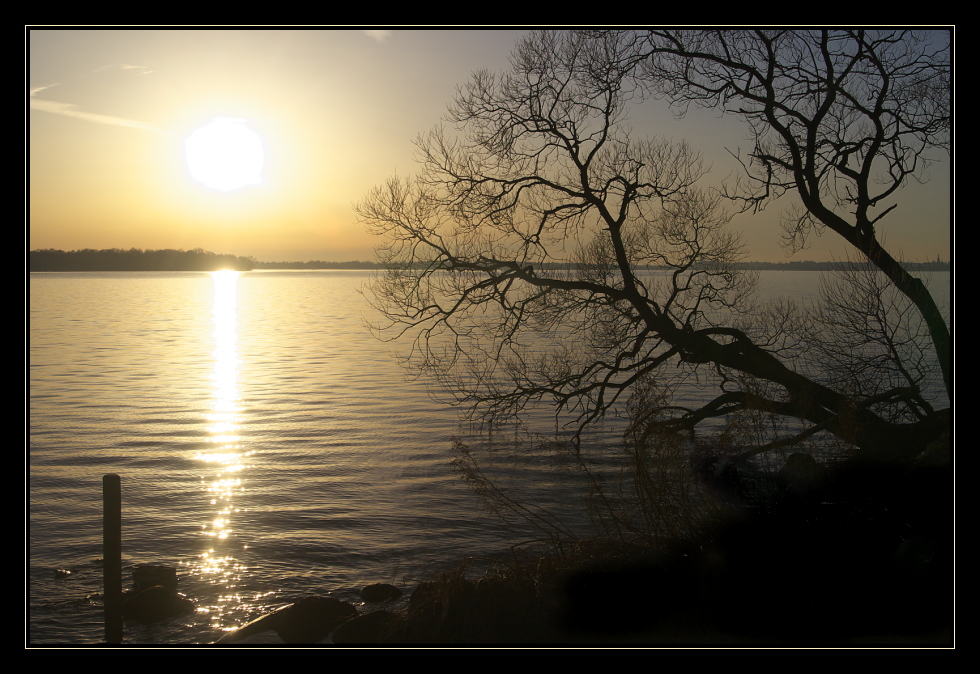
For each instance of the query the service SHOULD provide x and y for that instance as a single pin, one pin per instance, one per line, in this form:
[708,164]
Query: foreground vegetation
[789,557]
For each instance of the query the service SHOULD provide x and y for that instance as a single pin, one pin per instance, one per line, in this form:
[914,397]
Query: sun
[225,154]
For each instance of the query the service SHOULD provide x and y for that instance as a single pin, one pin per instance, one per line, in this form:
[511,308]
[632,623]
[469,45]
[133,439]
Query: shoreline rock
[308,621]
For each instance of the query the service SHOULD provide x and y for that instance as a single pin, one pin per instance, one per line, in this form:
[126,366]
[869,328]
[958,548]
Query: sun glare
[225,154]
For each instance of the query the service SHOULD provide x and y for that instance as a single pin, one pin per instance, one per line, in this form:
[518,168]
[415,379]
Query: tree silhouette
[542,253]
[843,118]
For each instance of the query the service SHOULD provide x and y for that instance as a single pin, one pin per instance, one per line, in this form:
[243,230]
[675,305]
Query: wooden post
[112,557]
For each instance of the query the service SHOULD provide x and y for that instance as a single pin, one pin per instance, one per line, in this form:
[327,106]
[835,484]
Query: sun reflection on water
[225,458]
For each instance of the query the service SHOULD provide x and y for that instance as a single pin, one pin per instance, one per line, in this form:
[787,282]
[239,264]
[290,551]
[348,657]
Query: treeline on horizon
[806,265]
[136,259]
[318,264]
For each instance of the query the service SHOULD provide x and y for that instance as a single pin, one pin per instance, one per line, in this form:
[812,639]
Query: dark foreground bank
[860,555]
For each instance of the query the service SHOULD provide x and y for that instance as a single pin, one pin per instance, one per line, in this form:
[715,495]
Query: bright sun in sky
[259,142]
[225,154]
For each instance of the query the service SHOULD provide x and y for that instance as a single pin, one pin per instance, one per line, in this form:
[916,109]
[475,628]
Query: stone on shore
[312,618]
[306,622]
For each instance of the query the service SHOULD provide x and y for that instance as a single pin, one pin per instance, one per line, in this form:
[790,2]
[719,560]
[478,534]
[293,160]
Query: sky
[336,111]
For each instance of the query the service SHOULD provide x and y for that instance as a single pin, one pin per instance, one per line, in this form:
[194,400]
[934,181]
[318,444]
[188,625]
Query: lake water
[269,447]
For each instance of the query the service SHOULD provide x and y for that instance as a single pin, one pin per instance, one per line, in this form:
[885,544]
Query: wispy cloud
[379,35]
[72,110]
[143,70]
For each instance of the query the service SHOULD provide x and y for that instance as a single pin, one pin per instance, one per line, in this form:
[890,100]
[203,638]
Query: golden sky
[336,111]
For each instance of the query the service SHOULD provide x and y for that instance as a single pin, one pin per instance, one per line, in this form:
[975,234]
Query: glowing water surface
[269,447]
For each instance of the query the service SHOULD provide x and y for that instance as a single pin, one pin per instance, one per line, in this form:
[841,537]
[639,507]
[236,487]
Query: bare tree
[887,342]
[543,254]
[843,118]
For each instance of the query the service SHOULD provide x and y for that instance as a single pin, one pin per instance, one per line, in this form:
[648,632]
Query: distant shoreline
[134,259]
[757,266]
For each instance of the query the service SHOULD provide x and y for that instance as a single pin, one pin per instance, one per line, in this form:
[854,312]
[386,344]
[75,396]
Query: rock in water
[155,604]
[380,592]
[147,576]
